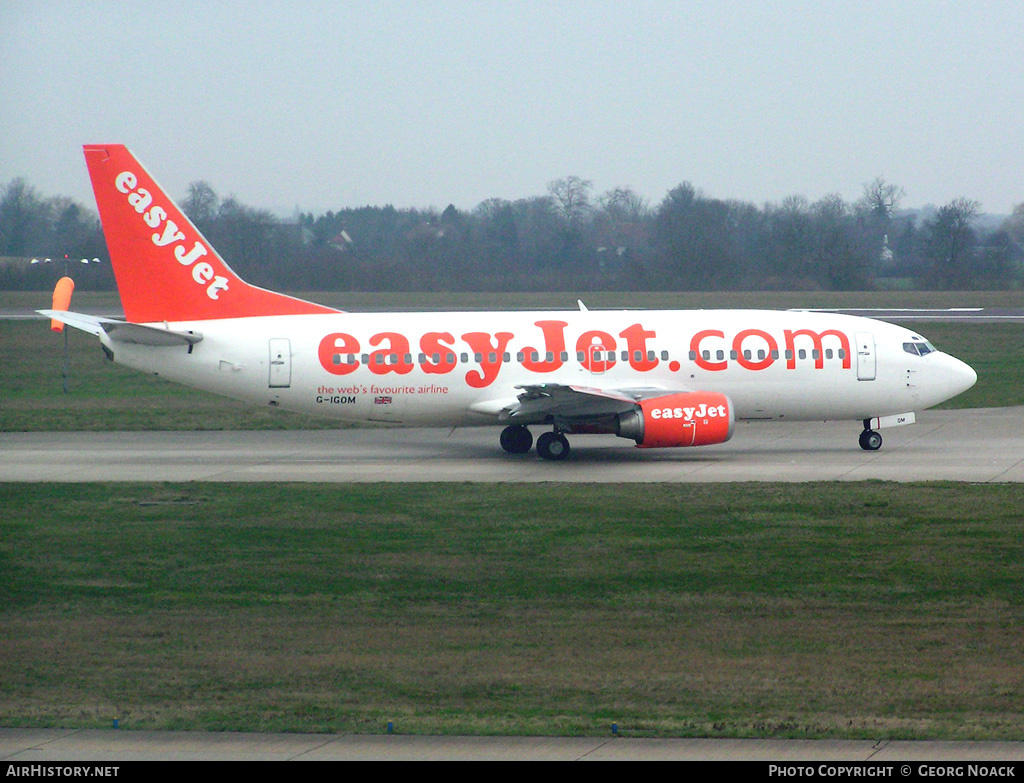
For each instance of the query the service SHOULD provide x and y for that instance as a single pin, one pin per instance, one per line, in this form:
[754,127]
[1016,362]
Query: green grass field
[813,610]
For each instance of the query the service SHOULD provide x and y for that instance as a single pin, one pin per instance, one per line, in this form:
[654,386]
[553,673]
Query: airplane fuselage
[460,369]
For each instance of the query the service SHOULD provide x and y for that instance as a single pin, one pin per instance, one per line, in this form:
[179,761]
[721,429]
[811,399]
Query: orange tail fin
[165,268]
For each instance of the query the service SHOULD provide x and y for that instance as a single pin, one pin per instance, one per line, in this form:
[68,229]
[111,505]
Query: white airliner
[659,378]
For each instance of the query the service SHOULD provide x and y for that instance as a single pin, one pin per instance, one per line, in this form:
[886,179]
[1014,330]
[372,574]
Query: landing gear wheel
[870,440]
[553,446]
[516,439]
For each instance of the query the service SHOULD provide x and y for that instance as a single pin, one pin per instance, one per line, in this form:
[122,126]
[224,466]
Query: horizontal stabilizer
[87,323]
[149,335]
[123,332]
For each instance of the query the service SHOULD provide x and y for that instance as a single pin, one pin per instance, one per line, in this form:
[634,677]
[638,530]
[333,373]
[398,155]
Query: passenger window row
[762,354]
[388,359]
[606,356]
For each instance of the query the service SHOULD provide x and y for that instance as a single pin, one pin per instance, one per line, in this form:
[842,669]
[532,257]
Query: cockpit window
[922,348]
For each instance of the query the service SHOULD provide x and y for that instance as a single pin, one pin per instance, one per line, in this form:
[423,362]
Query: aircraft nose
[961,376]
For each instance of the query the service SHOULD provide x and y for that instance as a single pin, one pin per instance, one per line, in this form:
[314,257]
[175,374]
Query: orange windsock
[61,300]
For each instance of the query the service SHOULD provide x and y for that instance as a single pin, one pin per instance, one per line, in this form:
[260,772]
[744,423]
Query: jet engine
[684,419]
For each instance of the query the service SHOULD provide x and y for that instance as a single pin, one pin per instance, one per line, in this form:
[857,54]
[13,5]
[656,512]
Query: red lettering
[816,338]
[480,343]
[394,358]
[333,350]
[750,364]
[554,344]
[636,343]
[595,346]
[431,344]
[699,359]
[590,343]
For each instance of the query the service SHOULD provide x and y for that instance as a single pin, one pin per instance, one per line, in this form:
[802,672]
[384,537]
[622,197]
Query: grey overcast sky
[324,105]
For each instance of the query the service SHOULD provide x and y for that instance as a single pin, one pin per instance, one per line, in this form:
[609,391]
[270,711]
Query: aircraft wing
[569,401]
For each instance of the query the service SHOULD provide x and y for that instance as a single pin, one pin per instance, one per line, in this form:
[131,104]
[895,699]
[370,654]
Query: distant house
[295,232]
[341,241]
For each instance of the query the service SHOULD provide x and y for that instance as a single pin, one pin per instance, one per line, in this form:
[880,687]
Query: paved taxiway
[36,746]
[979,445]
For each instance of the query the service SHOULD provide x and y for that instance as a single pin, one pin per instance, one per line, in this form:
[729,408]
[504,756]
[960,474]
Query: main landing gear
[516,439]
[869,439]
[553,446]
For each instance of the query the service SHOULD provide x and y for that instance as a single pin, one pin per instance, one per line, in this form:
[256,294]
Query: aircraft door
[280,363]
[865,356]
[597,356]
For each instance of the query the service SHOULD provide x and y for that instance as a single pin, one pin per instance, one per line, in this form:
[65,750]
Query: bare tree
[1014,225]
[25,220]
[572,198]
[951,240]
[621,225]
[880,199]
[201,204]
[624,205]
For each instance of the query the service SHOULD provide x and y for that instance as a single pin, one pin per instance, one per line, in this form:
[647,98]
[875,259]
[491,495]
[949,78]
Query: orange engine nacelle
[686,419]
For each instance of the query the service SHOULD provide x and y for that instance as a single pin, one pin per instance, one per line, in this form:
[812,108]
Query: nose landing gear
[869,439]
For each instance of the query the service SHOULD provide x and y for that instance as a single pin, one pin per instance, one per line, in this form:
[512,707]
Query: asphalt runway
[976,445]
[901,315]
[40,746]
